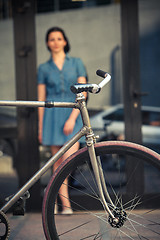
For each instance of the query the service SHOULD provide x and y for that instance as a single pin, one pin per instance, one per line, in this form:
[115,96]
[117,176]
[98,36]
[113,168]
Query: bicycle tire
[97,224]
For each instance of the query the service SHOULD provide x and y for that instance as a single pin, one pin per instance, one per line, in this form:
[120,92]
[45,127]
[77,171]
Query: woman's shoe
[67,211]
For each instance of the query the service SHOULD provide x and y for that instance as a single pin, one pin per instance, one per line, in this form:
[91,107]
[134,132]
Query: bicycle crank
[120,217]
[4,227]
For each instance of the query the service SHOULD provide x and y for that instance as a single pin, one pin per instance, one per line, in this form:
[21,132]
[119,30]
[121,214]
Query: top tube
[47,104]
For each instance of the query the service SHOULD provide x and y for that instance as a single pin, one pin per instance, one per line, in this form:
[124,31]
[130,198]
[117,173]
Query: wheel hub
[119,218]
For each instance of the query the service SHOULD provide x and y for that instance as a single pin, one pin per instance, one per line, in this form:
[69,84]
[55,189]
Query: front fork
[95,161]
[117,216]
[98,172]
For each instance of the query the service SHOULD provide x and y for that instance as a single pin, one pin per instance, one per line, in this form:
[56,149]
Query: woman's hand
[69,126]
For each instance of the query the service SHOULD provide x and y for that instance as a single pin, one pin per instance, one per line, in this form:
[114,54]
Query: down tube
[39,173]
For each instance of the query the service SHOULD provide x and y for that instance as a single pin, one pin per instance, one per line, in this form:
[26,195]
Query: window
[58,5]
[115,116]
[151,118]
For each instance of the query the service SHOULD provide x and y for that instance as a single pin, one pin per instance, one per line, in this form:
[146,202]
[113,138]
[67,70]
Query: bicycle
[89,172]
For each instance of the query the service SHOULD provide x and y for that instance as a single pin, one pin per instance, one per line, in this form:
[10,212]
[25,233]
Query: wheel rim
[139,224]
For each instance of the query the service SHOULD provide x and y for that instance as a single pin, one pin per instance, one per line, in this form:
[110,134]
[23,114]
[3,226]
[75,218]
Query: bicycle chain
[4,226]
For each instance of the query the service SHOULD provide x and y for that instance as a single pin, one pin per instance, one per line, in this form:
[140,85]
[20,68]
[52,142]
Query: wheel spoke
[129,223]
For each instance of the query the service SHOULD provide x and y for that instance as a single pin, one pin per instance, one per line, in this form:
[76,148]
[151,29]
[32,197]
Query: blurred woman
[58,125]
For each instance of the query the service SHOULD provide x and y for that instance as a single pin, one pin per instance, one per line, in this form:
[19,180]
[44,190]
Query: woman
[56,125]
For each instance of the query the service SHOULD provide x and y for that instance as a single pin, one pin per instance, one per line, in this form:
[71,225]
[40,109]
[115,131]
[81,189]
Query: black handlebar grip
[78,88]
[101,73]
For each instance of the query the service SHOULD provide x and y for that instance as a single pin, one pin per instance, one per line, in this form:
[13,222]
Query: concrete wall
[7,73]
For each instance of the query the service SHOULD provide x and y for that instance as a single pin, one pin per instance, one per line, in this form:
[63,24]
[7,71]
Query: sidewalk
[28,227]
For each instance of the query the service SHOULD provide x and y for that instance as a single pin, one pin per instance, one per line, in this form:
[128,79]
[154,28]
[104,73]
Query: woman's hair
[57,29]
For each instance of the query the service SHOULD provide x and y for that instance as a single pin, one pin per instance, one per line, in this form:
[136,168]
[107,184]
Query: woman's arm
[70,123]
[41,97]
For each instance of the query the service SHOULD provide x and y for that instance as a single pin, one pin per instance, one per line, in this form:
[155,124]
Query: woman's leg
[54,150]
[63,192]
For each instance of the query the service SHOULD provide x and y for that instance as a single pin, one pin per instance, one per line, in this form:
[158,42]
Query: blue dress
[58,84]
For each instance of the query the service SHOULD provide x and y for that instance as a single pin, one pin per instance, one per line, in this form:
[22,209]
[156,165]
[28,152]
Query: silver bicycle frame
[90,140]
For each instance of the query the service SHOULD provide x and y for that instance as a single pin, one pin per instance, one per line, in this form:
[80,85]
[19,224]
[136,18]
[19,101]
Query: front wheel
[132,178]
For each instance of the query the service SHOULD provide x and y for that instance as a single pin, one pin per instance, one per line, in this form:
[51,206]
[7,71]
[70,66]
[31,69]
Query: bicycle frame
[84,131]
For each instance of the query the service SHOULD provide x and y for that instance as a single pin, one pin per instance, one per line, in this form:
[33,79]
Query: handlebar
[92,88]
[78,88]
